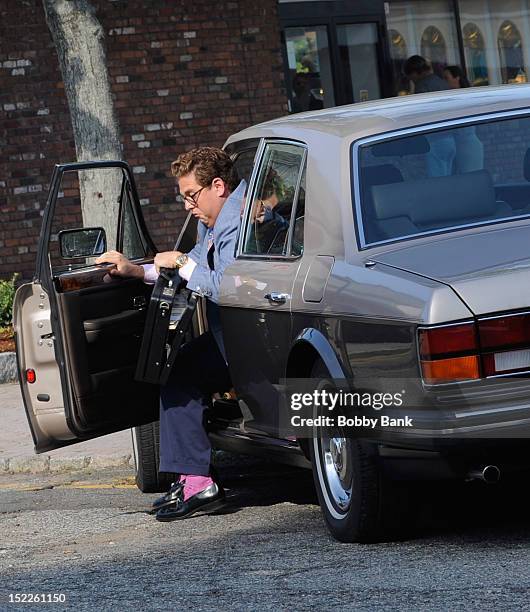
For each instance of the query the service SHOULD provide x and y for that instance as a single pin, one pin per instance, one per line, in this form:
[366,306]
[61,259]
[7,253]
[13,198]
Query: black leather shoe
[175,491]
[210,499]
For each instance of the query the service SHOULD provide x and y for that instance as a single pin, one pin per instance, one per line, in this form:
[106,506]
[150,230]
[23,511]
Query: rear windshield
[441,180]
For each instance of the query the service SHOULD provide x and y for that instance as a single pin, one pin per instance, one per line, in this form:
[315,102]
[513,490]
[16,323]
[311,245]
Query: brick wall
[182,73]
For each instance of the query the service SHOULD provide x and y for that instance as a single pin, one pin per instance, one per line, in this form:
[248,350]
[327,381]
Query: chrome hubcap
[336,465]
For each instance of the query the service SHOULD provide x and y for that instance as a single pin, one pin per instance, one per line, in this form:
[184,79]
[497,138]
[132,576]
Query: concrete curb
[8,368]
[48,464]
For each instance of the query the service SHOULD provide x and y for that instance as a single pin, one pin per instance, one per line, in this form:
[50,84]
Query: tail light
[449,353]
[505,343]
[491,346]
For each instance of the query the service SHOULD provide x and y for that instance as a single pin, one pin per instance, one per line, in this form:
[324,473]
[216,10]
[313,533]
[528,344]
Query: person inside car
[269,226]
[209,188]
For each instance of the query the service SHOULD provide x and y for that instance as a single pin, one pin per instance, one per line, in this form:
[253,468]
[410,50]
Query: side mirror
[85,242]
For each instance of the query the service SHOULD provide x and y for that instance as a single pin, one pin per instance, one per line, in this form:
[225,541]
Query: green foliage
[7,294]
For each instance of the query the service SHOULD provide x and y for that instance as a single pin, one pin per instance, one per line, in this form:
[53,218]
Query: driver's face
[197,199]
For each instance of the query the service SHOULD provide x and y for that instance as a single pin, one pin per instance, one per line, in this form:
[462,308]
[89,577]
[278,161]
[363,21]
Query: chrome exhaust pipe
[489,473]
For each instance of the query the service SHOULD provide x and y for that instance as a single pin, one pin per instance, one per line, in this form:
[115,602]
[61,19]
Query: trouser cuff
[185,468]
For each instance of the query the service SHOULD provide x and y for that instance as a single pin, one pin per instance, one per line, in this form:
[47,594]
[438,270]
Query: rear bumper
[455,459]
[483,410]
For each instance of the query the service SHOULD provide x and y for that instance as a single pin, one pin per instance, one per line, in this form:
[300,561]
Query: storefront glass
[341,60]
[310,78]
[475,52]
[496,40]
[358,58]
[426,28]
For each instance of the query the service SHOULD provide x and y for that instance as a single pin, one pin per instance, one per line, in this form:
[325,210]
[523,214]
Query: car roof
[389,114]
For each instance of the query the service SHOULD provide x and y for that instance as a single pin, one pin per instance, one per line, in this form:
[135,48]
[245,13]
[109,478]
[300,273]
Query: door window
[132,244]
[95,197]
[277,191]
[297,244]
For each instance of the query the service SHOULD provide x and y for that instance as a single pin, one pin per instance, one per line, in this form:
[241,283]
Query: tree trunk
[79,40]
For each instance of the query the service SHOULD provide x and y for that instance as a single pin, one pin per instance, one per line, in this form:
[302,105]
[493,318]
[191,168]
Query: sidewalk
[16,444]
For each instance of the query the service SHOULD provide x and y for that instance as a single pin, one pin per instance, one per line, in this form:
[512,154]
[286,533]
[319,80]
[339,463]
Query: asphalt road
[93,542]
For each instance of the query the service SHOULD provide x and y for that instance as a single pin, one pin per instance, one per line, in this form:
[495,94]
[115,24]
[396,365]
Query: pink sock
[195,484]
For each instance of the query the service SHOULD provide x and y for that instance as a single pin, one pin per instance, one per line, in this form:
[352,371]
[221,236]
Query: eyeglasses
[192,198]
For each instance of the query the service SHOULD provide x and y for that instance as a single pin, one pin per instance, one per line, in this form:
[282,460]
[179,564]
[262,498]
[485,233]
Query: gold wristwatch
[181,260]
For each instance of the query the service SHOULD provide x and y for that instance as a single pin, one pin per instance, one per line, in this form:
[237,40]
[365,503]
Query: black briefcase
[169,317]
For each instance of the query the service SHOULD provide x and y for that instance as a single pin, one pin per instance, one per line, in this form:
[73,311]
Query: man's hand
[167,259]
[124,267]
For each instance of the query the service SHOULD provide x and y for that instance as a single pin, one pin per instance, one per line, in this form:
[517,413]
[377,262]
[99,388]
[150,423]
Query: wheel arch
[310,346]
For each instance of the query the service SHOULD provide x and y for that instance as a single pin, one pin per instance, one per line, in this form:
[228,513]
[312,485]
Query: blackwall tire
[358,503]
[146,439]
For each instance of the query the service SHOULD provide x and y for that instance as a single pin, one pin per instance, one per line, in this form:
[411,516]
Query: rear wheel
[358,503]
[146,440]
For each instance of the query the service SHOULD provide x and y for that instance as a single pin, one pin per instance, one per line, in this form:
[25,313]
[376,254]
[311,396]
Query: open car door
[78,331]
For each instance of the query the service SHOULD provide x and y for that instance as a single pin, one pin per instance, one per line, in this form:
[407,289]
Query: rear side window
[278,202]
[443,180]
[244,163]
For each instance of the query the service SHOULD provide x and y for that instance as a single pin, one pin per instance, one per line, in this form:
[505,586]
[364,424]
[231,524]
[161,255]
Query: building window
[309,78]
[358,61]
[511,53]
[399,54]
[426,28]
[475,51]
[434,49]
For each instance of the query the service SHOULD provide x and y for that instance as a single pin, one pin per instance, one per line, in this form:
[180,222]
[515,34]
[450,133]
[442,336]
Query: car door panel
[102,359]
[123,323]
[257,288]
[80,329]
[43,400]
[257,335]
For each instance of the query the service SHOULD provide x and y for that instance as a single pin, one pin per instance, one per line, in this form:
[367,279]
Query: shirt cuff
[187,269]
[150,274]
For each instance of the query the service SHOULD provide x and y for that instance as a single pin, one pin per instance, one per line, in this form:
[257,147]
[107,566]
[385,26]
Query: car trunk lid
[489,270]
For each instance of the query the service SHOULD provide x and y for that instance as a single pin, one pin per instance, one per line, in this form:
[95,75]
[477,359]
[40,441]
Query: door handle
[277,297]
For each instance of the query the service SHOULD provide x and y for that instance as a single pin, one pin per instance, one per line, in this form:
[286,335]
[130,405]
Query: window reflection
[511,53]
[426,28]
[310,80]
[399,54]
[415,184]
[434,49]
[475,51]
[358,61]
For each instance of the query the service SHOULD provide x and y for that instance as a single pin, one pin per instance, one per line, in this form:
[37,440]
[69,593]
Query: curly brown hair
[207,163]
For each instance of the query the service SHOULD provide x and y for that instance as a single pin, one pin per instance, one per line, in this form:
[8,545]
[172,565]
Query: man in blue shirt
[209,188]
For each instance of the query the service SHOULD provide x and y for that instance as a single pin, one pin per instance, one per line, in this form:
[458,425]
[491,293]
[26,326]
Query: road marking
[121,484]
[80,485]
[19,487]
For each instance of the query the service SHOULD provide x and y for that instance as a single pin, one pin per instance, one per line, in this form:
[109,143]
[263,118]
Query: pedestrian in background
[455,77]
[420,72]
